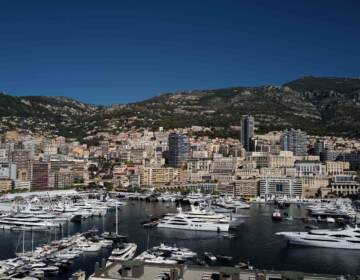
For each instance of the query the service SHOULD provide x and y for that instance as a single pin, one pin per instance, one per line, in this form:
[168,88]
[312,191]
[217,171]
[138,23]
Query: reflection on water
[255,240]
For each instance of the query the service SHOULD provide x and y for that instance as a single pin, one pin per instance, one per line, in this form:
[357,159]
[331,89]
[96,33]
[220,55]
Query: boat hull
[319,239]
[325,244]
[203,227]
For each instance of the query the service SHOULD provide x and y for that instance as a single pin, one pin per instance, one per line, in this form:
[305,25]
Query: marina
[248,241]
[186,140]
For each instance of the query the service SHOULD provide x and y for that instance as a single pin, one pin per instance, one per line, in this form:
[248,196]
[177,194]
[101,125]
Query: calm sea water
[255,241]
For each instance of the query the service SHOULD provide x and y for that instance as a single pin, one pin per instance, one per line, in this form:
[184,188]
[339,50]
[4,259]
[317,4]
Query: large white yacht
[27,221]
[165,254]
[123,253]
[230,203]
[194,198]
[175,252]
[196,219]
[348,238]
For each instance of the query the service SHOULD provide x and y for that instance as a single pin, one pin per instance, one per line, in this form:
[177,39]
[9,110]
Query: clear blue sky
[119,51]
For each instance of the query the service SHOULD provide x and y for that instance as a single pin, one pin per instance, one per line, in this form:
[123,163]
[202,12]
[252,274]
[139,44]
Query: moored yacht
[195,219]
[165,254]
[348,238]
[276,215]
[176,252]
[27,221]
[87,246]
[194,197]
[69,212]
[123,253]
[230,203]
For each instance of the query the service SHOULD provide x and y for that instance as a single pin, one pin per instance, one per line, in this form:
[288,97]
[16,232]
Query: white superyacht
[348,238]
[123,253]
[195,219]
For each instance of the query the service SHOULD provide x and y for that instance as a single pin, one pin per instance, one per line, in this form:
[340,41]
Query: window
[314,233]
[322,240]
[339,235]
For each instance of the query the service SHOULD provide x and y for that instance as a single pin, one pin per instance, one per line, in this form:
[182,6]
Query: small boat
[276,216]
[244,265]
[40,274]
[89,247]
[38,265]
[113,236]
[150,224]
[153,222]
[123,253]
[49,270]
[225,258]
[210,256]
[68,256]
[79,275]
[106,242]
[330,220]
[222,210]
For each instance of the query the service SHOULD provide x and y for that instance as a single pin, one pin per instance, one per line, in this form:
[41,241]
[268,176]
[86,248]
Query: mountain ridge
[319,105]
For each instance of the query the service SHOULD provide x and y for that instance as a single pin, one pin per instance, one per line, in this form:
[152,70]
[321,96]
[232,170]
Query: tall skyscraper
[247,131]
[179,149]
[294,141]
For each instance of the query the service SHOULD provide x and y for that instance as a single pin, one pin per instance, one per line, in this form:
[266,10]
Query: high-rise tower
[179,149]
[247,131]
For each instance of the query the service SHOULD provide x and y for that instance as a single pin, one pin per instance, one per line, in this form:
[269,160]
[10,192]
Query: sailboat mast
[116,217]
[32,241]
[23,245]
[148,240]
[103,223]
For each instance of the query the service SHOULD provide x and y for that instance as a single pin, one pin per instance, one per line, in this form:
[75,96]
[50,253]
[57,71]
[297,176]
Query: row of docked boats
[48,260]
[227,202]
[329,211]
[339,208]
[162,254]
[41,216]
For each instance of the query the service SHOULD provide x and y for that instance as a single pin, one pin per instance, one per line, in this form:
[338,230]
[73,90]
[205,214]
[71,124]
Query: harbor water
[255,240]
